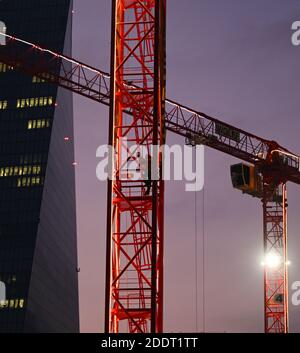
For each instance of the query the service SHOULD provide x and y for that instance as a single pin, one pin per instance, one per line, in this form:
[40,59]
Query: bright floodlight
[272,260]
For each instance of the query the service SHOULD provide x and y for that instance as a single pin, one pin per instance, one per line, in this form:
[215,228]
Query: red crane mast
[134,297]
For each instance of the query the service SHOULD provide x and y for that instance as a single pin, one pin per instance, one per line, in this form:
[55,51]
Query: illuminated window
[4,304]
[36,79]
[4,68]
[3,105]
[38,124]
[21,171]
[29,181]
[34,102]
[29,125]
[36,169]
[13,304]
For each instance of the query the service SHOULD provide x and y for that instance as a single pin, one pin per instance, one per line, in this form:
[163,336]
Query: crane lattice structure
[140,113]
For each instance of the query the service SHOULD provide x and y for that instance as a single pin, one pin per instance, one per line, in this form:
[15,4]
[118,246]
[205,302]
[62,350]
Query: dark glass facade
[38,247]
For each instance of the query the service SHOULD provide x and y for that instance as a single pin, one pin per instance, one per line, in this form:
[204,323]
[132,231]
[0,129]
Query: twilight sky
[234,60]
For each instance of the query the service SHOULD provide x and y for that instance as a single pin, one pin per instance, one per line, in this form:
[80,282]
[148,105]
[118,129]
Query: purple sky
[234,60]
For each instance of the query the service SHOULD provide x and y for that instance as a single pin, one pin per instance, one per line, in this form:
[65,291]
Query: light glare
[272,260]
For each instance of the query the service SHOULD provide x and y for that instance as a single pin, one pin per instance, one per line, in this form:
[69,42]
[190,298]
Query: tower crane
[135,92]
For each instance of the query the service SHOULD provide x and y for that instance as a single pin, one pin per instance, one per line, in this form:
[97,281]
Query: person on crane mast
[145,171]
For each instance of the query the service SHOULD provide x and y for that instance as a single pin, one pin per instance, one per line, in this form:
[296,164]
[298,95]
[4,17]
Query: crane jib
[94,84]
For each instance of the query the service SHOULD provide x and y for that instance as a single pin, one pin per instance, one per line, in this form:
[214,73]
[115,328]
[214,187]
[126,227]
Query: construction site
[154,258]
